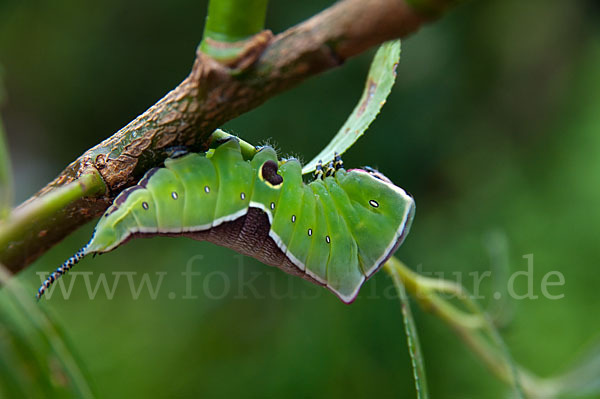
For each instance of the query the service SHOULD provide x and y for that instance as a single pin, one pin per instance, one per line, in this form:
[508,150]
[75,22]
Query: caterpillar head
[382,210]
[372,176]
[374,191]
[375,173]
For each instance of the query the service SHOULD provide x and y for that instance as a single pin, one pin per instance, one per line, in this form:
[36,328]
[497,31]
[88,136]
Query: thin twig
[16,227]
[474,329]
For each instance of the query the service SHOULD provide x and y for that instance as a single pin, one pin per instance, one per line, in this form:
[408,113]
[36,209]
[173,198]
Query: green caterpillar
[336,231]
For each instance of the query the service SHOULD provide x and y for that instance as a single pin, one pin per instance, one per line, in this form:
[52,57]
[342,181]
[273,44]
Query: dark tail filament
[64,268]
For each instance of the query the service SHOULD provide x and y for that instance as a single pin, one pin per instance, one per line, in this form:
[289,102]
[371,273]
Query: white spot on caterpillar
[327,239]
[374,203]
[293,218]
[243,196]
[145,205]
[272,205]
[206,189]
[174,195]
[309,232]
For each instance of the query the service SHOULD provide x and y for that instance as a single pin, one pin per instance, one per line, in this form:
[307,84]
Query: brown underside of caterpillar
[248,235]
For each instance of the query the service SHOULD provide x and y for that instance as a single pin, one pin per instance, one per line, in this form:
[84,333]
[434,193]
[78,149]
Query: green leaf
[35,359]
[380,80]
[412,338]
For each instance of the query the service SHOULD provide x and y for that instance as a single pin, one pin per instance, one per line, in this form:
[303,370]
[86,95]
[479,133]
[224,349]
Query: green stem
[16,225]
[425,290]
[228,24]
[248,150]
[469,327]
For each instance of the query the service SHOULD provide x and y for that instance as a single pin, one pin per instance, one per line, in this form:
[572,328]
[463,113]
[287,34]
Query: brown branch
[211,95]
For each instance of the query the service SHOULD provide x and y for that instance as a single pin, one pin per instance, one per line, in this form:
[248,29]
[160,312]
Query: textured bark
[211,95]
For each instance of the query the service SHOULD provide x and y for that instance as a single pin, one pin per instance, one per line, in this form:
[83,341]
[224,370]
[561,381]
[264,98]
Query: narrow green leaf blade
[380,80]
[36,360]
[412,338]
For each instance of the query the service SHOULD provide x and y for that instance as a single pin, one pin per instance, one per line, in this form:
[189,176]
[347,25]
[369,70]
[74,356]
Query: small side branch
[472,326]
[49,210]
[229,25]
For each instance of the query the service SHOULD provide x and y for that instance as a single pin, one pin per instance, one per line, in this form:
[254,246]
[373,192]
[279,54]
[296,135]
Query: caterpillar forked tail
[62,269]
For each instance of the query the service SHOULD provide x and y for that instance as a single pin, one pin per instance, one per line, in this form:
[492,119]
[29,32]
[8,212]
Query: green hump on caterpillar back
[335,231]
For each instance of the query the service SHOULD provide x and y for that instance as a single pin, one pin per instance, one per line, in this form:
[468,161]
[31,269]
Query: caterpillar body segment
[335,231]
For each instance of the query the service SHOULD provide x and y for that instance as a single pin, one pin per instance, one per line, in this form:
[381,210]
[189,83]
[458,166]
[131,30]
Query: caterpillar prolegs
[335,231]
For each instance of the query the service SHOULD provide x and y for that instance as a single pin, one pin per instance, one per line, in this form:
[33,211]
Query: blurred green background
[493,126]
